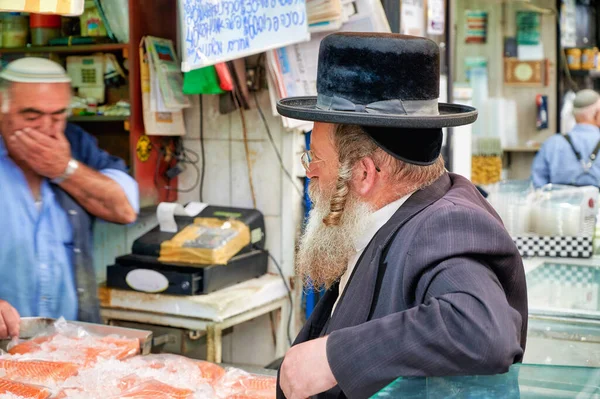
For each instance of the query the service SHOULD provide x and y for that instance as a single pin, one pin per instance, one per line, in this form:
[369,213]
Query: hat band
[394,107]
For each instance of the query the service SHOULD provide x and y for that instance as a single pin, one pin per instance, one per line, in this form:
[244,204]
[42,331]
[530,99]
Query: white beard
[324,251]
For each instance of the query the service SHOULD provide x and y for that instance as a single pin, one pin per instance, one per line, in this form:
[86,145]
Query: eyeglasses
[307,158]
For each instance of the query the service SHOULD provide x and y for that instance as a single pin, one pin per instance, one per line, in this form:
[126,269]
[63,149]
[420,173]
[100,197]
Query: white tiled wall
[226,175]
[226,183]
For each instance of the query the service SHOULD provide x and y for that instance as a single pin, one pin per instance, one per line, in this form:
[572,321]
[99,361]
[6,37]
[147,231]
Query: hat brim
[305,108]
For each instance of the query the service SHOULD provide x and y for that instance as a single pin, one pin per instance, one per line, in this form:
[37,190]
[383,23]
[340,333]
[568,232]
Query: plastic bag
[176,370]
[68,342]
[150,388]
[19,390]
[208,241]
[37,372]
[239,384]
[113,378]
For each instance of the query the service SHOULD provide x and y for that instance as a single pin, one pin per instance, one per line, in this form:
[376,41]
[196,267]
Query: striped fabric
[64,7]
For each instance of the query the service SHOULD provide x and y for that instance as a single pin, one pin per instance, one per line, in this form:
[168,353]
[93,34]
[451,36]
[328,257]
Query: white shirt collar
[377,220]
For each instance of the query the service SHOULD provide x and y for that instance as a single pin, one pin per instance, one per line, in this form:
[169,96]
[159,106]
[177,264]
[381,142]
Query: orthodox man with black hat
[422,278]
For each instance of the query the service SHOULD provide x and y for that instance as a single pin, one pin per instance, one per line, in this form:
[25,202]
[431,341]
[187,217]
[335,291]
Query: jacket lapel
[355,304]
[318,319]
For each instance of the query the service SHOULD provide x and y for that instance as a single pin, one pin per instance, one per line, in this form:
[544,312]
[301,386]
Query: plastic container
[91,21]
[44,28]
[574,59]
[588,59]
[15,29]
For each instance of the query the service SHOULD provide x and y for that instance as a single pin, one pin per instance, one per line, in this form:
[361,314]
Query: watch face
[524,72]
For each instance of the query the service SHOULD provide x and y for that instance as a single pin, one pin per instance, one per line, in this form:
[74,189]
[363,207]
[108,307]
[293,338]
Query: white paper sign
[216,31]
[412,18]
[568,24]
[436,17]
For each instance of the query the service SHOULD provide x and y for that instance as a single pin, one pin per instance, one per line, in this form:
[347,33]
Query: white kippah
[585,98]
[35,70]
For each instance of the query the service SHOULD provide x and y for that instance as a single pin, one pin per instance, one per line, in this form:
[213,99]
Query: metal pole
[450,45]
[392,11]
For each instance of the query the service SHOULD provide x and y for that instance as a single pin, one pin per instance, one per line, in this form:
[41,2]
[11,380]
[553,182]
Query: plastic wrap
[13,389]
[208,241]
[241,385]
[66,342]
[194,371]
[142,389]
[70,362]
[37,372]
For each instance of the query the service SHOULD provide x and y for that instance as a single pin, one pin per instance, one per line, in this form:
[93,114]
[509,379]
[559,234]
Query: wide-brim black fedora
[379,80]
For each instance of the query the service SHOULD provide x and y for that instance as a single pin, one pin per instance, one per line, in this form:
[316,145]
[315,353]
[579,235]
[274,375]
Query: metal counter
[34,326]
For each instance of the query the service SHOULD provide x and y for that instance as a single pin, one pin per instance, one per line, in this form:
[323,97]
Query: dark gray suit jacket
[440,290]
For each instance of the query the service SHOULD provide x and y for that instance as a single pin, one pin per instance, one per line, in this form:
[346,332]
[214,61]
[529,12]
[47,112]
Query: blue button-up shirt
[37,243]
[556,162]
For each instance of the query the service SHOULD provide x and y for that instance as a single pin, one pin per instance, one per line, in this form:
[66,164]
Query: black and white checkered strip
[556,247]
[559,273]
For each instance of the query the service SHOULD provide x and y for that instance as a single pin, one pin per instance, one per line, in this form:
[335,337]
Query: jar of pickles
[588,58]
[486,169]
[574,59]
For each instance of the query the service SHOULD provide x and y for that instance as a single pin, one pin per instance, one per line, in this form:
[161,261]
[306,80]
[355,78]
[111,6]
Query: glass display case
[562,358]
[522,381]
[564,314]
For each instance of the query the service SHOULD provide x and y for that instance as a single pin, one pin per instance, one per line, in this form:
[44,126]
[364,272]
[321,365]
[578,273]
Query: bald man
[55,181]
[571,158]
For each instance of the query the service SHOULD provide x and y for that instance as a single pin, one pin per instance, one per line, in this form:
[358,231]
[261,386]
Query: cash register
[169,262]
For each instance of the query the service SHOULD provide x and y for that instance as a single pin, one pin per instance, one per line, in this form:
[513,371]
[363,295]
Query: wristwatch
[71,168]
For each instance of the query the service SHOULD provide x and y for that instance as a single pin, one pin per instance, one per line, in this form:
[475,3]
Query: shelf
[594,74]
[84,48]
[521,149]
[147,211]
[98,118]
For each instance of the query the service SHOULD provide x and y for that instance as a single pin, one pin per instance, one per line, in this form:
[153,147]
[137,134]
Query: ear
[364,177]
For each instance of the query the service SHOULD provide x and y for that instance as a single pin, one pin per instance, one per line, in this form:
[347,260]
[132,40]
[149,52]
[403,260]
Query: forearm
[100,195]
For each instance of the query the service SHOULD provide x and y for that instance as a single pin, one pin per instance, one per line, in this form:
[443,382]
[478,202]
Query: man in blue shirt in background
[571,159]
[54,181]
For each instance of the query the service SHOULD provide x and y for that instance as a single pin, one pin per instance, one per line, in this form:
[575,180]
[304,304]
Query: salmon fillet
[175,364]
[85,351]
[152,389]
[211,371]
[255,383]
[32,345]
[23,390]
[257,395]
[237,385]
[120,348]
[37,372]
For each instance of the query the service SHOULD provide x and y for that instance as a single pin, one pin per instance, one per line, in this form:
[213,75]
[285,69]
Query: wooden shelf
[521,149]
[84,48]
[98,118]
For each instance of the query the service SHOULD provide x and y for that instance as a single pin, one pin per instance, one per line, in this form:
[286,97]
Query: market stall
[60,359]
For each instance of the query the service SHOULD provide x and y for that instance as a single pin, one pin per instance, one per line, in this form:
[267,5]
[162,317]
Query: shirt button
[77,250]
[45,298]
[44,266]
[72,212]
